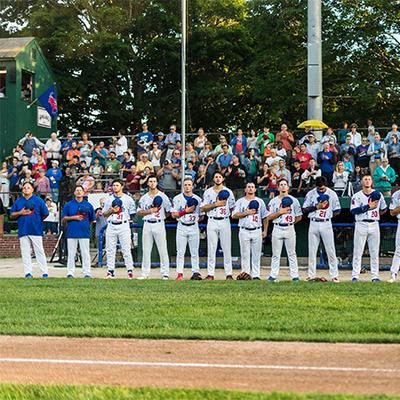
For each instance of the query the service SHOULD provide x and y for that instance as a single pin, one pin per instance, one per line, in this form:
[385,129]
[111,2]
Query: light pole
[183,87]
[314,84]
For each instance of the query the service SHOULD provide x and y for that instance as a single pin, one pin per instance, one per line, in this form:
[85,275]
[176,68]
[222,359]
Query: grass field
[304,311]
[34,392]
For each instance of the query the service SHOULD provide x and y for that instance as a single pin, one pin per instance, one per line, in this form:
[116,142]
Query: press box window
[26,85]
[3,80]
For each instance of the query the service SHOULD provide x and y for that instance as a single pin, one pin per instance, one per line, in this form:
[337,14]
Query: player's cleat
[110,275]
[45,276]
[196,276]
[393,278]
[179,277]
[297,279]
[375,280]
[256,278]
[271,279]
[229,278]
[354,279]
[69,276]
[209,278]
[165,277]
[142,277]
[28,276]
[87,276]
[130,274]
[335,280]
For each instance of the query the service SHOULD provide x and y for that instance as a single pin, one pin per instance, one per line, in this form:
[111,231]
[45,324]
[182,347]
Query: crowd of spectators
[264,157]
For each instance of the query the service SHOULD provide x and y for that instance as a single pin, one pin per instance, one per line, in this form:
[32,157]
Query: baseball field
[198,340]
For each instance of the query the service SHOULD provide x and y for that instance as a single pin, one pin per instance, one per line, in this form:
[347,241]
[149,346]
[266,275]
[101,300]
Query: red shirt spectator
[285,137]
[303,157]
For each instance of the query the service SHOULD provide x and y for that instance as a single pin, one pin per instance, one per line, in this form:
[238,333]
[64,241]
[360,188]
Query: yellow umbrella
[313,123]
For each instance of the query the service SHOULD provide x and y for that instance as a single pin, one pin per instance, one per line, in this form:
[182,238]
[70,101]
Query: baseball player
[218,201]
[395,212]
[78,214]
[321,204]
[153,207]
[118,209]
[284,211]
[186,209]
[31,210]
[367,206]
[252,215]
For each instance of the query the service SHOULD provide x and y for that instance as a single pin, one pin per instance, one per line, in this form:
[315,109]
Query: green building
[24,75]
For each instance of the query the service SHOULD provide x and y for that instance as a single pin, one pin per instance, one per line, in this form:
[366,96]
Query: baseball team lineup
[217,206]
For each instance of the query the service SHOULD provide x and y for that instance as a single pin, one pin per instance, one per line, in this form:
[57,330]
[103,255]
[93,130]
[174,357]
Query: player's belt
[320,220]
[250,229]
[191,224]
[152,221]
[368,220]
[117,222]
[284,224]
[218,218]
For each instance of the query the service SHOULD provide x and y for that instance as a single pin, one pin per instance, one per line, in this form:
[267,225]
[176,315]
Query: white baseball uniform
[118,229]
[218,227]
[284,233]
[250,235]
[321,228]
[366,229]
[187,232]
[395,203]
[154,230]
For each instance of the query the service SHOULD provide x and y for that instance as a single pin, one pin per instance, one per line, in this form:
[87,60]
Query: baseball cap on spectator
[160,134]
[55,162]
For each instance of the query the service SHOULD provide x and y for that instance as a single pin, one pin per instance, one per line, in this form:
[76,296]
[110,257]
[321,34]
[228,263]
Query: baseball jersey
[254,220]
[210,197]
[179,203]
[275,205]
[360,199]
[395,202]
[146,202]
[311,200]
[128,208]
[31,225]
[78,229]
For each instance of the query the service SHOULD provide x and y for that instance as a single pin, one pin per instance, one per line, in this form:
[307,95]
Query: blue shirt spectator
[394,131]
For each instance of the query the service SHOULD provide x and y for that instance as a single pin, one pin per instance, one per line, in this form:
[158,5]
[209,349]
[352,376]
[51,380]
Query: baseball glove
[244,276]
[317,279]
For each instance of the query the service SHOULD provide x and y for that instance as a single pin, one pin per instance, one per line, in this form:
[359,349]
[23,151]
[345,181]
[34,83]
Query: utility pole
[314,45]
[183,88]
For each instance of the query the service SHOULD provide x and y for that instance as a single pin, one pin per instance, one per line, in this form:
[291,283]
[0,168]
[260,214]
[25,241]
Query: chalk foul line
[195,365]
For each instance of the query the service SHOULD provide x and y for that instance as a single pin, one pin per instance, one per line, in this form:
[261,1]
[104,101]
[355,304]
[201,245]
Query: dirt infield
[265,366]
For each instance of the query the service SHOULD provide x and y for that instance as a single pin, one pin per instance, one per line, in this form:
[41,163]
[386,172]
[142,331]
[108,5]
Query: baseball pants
[123,234]
[284,235]
[154,232]
[187,235]
[37,243]
[366,231]
[72,244]
[219,229]
[324,231]
[396,258]
[250,246]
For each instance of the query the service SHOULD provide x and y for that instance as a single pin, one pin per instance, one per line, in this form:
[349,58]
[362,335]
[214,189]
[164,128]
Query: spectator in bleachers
[67,145]
[203,156]
[211,167]
[252,165]
[286,137]
[356,177]
[342,133]
[371,130]
[282,172]
[171,140]
[42,184]
[264,140]
[55,175]
[189,171]
[393,153]
[263,178]
[200,182]
[86,181]
[72,152]
[4,185]
[297,181]
[161,142]
[200,140]
[312,146]
[126,164]
[225,158]
[39,165]
[239,145]
[303,156]
[328,137]
[310,174]
[112,164]
[168,178]
[120,144]
[222,142]
[355,136]
[394,131]
[361,154]
[133,180]
[52,149]
[280,151]
[30,142]
[144,140]
[235,176]
[340,179]
[155,156]
[190,152]
[96,169]
[13,175]
[50,223]
[26,177]
[326,161]
[377,151]
[144,177]
[252,141]
[85,147]
[348,164]
[384,176]
[273,158]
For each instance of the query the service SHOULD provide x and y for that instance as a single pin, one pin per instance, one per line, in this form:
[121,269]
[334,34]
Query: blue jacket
[244,144]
